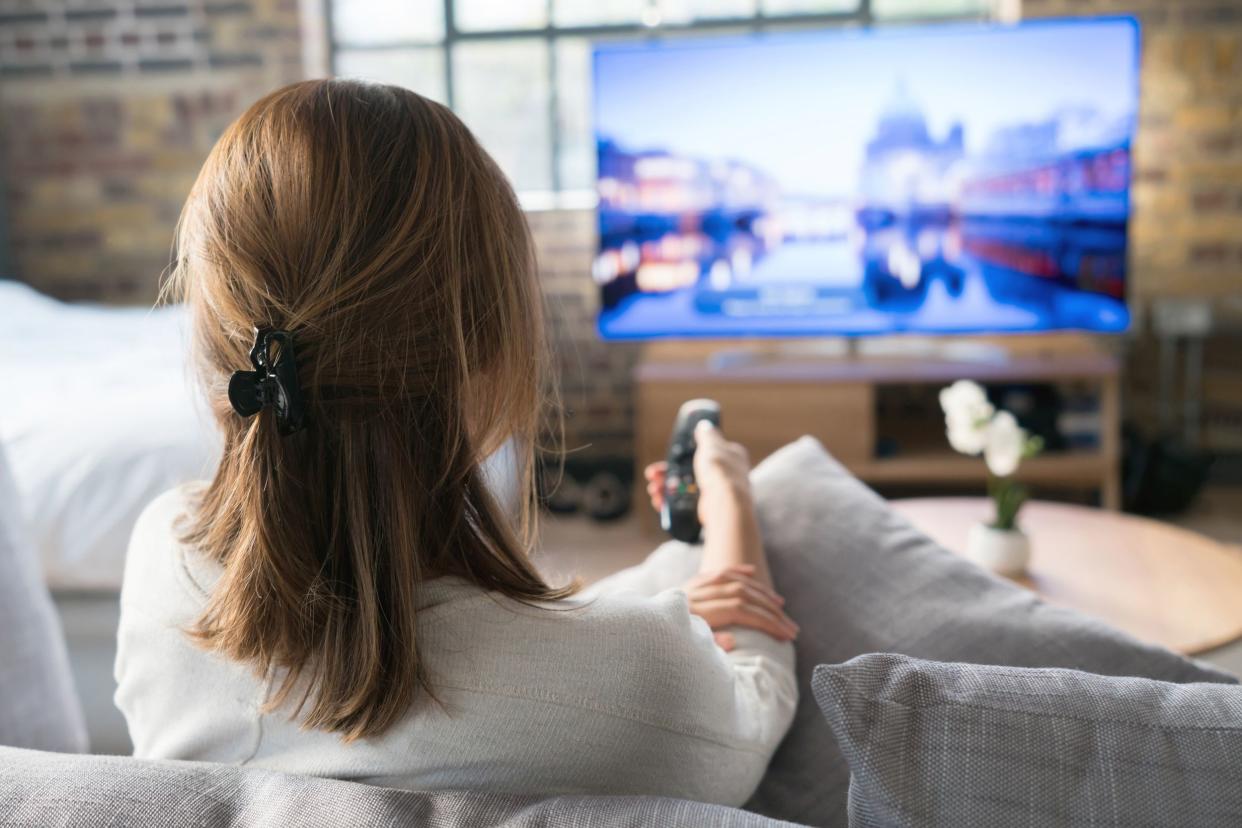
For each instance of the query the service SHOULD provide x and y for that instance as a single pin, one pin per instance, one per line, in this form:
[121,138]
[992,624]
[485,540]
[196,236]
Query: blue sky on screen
[802,106]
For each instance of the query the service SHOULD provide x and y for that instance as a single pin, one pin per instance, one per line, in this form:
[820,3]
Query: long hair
[368,222]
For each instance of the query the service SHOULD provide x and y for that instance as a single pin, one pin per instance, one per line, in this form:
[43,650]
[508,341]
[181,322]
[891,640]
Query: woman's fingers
[778,625]
[727,612]
[732,596]
[725,641]
[656,474]
[748,592]
[737,573]
[655,492]
[737,589]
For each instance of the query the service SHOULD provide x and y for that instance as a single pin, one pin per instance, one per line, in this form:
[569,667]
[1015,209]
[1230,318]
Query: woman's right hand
[721,471]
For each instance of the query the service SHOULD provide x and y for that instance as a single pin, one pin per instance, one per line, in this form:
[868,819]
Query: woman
[346,598]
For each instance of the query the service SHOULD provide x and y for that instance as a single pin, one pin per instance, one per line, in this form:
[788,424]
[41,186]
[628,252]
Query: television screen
[944,179]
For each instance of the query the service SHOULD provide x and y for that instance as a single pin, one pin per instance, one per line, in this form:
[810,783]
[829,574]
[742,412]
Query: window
[518,72]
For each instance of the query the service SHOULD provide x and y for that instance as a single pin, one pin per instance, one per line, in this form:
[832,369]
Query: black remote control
[680,514]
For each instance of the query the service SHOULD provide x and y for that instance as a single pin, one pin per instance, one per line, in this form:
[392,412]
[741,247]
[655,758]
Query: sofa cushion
[936,744]
[38,705]
[54,789]
[858,578]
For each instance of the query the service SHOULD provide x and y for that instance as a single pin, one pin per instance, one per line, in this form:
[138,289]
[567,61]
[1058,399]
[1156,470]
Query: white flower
[1005,442]
[966,437]
[962,397]
[966,415]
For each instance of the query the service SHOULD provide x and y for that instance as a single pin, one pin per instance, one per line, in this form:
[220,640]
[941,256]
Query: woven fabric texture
[48,789]
[858,578]
[933,744]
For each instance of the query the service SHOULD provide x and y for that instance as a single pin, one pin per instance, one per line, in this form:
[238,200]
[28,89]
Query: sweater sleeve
[737,706]
[759,670]
[761,673]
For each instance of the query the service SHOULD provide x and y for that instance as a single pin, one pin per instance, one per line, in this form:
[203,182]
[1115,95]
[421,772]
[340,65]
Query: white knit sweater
[620,691]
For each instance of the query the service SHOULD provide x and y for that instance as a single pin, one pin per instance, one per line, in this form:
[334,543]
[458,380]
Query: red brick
[1210,200]
[1210,253]
[1150,175]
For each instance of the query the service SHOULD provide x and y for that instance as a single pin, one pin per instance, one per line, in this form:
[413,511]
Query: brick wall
[595,376]
[108,108]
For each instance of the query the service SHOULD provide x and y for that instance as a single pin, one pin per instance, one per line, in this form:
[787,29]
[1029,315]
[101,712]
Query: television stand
[911,347]
[772,392]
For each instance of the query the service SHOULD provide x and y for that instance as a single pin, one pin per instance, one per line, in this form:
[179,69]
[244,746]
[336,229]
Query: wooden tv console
[772,393]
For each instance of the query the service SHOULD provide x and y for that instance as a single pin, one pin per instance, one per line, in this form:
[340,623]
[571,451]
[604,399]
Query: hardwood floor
[576,546]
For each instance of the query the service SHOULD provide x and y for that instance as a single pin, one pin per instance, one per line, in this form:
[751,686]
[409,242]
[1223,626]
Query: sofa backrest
[38,705]
[39,788]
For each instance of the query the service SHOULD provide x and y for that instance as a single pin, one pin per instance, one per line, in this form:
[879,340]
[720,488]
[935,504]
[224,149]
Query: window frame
[551,33]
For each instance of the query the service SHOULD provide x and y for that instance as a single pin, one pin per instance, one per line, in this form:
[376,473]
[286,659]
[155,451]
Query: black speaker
[601,488]
[1161,476]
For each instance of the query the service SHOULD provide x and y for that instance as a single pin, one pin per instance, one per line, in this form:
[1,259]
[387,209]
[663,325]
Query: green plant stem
[1008,497]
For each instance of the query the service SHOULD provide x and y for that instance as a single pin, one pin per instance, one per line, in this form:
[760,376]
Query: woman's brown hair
[369,223]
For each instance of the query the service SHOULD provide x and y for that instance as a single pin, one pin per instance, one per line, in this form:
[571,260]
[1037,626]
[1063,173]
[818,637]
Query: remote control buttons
[674,485]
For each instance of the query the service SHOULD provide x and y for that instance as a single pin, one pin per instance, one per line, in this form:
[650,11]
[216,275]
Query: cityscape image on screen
[943,179]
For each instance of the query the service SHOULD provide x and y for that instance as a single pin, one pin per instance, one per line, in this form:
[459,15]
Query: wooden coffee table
[1157,582]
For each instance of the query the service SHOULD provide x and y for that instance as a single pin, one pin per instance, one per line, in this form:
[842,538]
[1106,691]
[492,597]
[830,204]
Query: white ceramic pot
[1004,551]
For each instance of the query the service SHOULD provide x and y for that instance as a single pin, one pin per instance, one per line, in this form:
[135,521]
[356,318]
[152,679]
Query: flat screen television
[942,179]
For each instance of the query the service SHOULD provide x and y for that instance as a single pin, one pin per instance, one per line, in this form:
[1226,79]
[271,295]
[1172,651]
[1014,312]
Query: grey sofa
[857,577]
[46,789]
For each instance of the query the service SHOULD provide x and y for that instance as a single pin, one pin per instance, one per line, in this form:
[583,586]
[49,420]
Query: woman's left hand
[733,597]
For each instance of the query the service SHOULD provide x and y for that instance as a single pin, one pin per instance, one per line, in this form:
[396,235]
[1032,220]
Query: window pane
[777,7]
[573,102]
[363,22]
[927,8]
[481,15]
[594,12]
[685,11]
[500,89]
[419,69]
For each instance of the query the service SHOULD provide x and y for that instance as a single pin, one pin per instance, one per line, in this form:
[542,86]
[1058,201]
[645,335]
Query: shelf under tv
[777,393]
[1080,467]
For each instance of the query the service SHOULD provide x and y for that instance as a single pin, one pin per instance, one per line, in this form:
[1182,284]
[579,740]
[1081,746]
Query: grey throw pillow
[858,578]
[38,705]
[934,744]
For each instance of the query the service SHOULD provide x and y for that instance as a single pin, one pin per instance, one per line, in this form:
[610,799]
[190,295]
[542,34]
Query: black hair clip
[271,384]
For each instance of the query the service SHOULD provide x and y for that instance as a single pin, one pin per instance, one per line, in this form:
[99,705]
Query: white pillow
[105,417]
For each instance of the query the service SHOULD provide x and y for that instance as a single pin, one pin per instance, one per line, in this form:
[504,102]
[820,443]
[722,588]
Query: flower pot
[1004,551]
